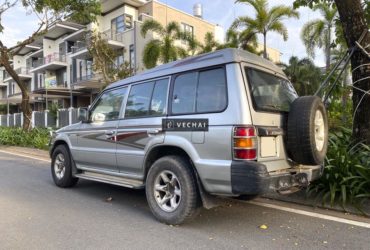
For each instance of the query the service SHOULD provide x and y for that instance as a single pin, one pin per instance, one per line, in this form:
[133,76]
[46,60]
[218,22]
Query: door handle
[109,133]
[153,131]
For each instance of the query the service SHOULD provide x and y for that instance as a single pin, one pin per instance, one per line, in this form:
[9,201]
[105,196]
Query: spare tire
[307,132]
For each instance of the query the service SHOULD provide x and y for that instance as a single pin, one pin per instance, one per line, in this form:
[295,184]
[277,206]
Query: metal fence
[3,120]
[63,118]
[39,119]
[18,120]
[11,120]
[42,119]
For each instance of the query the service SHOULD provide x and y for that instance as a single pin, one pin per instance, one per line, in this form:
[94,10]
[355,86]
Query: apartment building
[58,68]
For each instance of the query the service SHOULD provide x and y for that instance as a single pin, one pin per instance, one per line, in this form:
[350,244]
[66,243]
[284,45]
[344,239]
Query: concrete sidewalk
[26,151]
[296,198]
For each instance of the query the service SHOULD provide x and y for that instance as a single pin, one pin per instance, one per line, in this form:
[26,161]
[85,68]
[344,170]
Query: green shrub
[36,138]
[346,177]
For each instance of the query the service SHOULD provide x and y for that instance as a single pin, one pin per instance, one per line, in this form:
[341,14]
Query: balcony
[59,90]
[114,39]
[23,73]
[50,62]
[80,51]
[90,81]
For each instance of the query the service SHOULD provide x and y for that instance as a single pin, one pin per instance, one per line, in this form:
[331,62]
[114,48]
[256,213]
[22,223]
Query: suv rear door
[141,127]
[269,95]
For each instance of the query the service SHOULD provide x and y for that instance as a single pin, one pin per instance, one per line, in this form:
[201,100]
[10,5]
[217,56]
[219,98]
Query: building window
[118,25]
[188,29]
[121,23]
[80,69]
[119,60]
[132,57]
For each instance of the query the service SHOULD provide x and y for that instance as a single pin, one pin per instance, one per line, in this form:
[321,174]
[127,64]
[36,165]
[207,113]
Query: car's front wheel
[171,190]
[61,167]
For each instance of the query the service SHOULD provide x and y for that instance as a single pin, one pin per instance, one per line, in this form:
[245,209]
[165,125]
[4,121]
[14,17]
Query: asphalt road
[35,214]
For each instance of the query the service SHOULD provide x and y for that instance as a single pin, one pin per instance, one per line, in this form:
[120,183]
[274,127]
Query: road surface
[35,214]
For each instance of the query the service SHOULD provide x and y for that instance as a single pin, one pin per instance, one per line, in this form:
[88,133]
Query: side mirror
[83,115]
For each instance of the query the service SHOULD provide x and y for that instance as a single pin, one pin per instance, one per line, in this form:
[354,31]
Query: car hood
[70,127]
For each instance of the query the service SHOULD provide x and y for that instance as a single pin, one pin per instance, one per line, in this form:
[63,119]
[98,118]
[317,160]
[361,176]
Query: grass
[36,138]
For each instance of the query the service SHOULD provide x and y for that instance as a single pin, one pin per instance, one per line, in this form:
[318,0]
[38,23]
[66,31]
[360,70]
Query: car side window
[108,106]
[159,98]
[211,92]
[200,92]
[139,100]
[184,93]
[147,99]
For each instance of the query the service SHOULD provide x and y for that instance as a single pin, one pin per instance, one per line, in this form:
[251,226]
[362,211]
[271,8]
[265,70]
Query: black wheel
[171,190]
[61,167]
[307,137]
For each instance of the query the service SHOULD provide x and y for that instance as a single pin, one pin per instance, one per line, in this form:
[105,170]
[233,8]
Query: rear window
[269,92]
[200,92]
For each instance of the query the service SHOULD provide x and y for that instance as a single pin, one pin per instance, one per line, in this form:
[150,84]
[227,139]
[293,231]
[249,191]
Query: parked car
[227,123]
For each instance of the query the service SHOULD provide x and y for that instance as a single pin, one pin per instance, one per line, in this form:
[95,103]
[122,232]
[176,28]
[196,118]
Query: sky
[19,24]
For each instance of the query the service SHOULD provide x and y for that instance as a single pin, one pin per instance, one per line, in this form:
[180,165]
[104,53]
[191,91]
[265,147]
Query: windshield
[269,92]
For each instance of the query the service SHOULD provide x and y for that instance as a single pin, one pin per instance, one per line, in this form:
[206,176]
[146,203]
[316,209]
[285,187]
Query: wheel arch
[208,201]
[160,151]
[56,144]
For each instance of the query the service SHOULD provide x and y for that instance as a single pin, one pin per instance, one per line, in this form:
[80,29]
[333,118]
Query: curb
[26,151]
[301,198]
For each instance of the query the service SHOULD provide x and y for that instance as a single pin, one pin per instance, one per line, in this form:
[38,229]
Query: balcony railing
[23,71]
[114,36]
[79,46]
[19,71]
[85,78]
[55,57]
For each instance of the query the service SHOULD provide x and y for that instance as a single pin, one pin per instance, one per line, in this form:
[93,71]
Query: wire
[358,105]
[366,64]
[368,77]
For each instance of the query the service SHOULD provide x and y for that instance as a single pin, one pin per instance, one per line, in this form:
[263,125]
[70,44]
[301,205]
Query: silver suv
[227,123]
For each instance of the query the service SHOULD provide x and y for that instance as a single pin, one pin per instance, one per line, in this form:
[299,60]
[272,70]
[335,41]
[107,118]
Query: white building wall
[219,34]
[19,61]
[50,47]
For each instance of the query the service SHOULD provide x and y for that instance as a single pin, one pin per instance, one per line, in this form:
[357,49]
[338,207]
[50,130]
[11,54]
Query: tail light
[245,143]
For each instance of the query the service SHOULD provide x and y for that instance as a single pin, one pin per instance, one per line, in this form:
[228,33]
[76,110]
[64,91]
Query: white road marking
[25,156]
[257,203]
[311,214]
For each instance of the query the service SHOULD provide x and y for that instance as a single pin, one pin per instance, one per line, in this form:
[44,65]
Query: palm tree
[317,33]
[242,40]
[303,74]
[266,20]
[210,44]
[162,49]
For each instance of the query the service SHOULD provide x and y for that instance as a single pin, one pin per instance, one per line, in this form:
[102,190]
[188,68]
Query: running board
[114,180]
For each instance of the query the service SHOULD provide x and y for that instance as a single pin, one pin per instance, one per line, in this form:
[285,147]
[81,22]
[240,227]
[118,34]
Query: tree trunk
[354,24]
[264,46]
[25,105]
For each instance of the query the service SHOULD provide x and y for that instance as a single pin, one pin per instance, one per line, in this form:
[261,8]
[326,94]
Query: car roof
[219,57]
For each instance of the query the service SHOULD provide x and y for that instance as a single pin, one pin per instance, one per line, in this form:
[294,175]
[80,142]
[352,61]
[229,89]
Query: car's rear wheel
[61,167]
[171,190]
[307,136]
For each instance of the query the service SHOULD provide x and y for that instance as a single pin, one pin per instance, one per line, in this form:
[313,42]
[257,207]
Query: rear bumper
[252,178]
